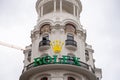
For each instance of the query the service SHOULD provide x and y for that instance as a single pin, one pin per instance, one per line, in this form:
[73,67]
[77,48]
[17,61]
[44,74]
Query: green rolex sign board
[55,60]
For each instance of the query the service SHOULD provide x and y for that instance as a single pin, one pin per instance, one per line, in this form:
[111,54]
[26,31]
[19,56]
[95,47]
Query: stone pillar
[77,13]
[54,5]
[60,5]
[41,10]
[73,9]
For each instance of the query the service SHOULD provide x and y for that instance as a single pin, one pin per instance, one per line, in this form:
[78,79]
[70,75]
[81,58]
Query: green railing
[82,64]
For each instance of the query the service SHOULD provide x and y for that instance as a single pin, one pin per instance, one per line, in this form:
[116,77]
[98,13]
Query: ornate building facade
[59,50]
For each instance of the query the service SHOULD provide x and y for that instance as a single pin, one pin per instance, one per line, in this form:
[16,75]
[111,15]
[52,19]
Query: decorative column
[54,5]
[60,5]
[77,13]
[41,10]
[74,9]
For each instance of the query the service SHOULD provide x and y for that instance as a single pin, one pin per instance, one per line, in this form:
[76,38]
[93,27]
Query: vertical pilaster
[77,13]
[41,10]
[60,5]
[54,5]
[74,9]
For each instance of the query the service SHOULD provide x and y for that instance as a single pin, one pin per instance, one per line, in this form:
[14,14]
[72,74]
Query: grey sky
[99,17]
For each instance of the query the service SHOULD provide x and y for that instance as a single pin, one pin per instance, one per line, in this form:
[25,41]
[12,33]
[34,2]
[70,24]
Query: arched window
[86,52]
[44,44]
[45,37]
[87,55]
[70,41]
[44,78]
[71,78]
[45,28]
[97,78]
[70,37]
[45,41]
[70,28]
[29,56]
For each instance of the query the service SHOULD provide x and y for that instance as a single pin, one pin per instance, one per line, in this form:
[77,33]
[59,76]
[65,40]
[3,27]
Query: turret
[59,50]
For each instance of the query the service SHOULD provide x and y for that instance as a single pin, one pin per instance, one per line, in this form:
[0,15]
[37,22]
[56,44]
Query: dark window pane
[86,53]
[44,78]
[29,54]
[46,38]
[70,37]
[71,78]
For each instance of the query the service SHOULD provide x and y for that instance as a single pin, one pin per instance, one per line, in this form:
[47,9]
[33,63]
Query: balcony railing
[71,42]
[44,44]
[82,64]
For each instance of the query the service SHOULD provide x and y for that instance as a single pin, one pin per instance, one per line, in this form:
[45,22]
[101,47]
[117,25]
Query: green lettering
[37,61]
[55,59]
[76,61]
[65,59]
[70,60]
[47,60]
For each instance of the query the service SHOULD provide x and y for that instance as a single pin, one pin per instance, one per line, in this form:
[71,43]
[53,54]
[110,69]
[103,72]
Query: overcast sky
[101,19]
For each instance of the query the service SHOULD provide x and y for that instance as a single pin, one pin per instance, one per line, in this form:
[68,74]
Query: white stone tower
[59,50]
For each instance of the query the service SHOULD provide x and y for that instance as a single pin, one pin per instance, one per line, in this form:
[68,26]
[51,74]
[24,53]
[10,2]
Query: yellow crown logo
[57,46]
